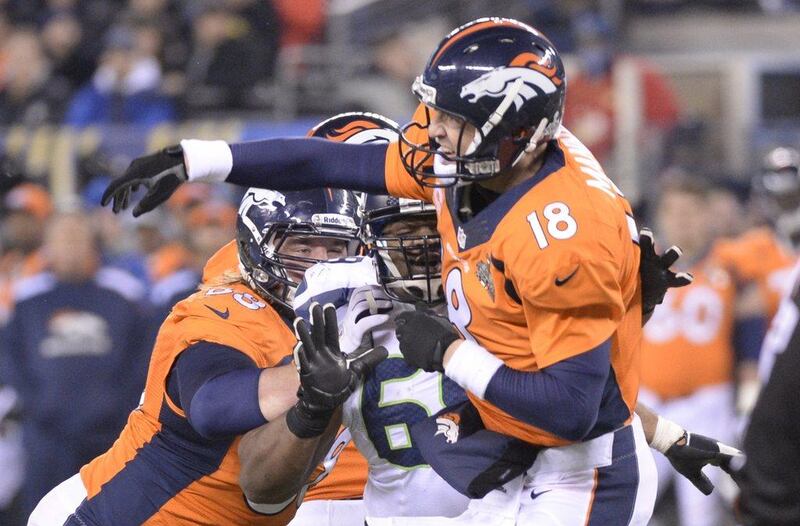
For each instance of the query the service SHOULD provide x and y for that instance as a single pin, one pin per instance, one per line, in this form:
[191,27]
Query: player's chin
[295,275]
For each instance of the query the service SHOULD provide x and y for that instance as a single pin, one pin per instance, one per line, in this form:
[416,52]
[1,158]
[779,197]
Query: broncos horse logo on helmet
[498,82]
[500,76]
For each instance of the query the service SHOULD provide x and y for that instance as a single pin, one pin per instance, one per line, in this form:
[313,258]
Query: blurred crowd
[141,61]
[151,61]
[83,292]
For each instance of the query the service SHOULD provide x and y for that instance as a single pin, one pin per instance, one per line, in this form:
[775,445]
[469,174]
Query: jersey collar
[481,226]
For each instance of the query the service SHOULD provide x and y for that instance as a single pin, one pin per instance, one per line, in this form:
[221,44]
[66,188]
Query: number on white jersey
[395,397]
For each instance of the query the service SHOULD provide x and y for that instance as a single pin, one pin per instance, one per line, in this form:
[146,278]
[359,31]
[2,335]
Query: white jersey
[381,411]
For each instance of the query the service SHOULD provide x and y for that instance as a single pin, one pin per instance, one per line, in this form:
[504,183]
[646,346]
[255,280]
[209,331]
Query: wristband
[304,423]
[209,161]
[667,433]
[472,367]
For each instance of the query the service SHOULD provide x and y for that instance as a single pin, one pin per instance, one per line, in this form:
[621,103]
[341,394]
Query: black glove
[161,173]
[654,270]
[424,337]
[692,452]
[327,376]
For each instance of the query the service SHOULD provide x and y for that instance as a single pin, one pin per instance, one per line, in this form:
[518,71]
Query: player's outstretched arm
[278,457]
[277,164]
[688,452]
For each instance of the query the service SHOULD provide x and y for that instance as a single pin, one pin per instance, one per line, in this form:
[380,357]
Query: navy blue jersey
[75,352]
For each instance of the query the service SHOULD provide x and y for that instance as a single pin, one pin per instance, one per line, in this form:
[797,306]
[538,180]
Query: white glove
[367,311]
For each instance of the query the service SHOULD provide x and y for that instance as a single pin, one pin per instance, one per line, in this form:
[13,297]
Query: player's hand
[424,337]
[654,270]
[368,310]
[327,376]
[161,173]
[692,452]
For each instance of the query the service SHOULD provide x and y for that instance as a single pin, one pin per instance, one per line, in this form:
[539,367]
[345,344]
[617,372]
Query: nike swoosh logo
[223,315]
[535,495]
[561,281]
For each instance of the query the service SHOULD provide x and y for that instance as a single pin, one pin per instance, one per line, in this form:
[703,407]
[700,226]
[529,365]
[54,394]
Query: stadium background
[85,86]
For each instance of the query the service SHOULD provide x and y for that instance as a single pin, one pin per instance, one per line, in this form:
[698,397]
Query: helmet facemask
[408,262]
[269,272]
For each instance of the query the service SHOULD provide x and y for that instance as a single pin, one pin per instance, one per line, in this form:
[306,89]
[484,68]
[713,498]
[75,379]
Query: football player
[400,234]
[761,259]
[540,267]
[708,320]
[765,255]
[216,384]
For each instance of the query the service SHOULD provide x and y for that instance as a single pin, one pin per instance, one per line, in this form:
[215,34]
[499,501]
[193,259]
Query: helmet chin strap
[533,142]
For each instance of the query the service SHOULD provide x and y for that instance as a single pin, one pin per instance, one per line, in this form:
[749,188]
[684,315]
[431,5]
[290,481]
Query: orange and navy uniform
[547,271]
[160,470]
[348,479]
[688,342]
[758,256]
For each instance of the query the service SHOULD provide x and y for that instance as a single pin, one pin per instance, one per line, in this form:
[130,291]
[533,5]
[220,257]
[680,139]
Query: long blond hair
[230,277]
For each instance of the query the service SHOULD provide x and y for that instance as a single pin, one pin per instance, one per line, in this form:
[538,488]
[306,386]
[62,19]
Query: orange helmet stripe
[469,31]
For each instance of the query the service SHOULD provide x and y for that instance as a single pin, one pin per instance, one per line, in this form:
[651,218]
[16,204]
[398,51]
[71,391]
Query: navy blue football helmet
[777,189]
[504,78]
[408,262]
[268,218]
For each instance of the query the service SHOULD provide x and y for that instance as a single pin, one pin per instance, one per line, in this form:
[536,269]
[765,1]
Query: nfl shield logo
[461,237]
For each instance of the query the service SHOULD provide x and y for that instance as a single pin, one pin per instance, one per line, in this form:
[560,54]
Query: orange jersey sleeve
[398,181]
[757,256]
[160,471]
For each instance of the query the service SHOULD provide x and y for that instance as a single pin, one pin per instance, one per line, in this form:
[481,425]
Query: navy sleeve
[304,163]
[217,387]
[563,399]
[748,334]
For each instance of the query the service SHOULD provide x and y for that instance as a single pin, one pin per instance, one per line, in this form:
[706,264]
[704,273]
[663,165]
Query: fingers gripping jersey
[688,342]
[393,398]
[547,271]
[758,256]
[160,471]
